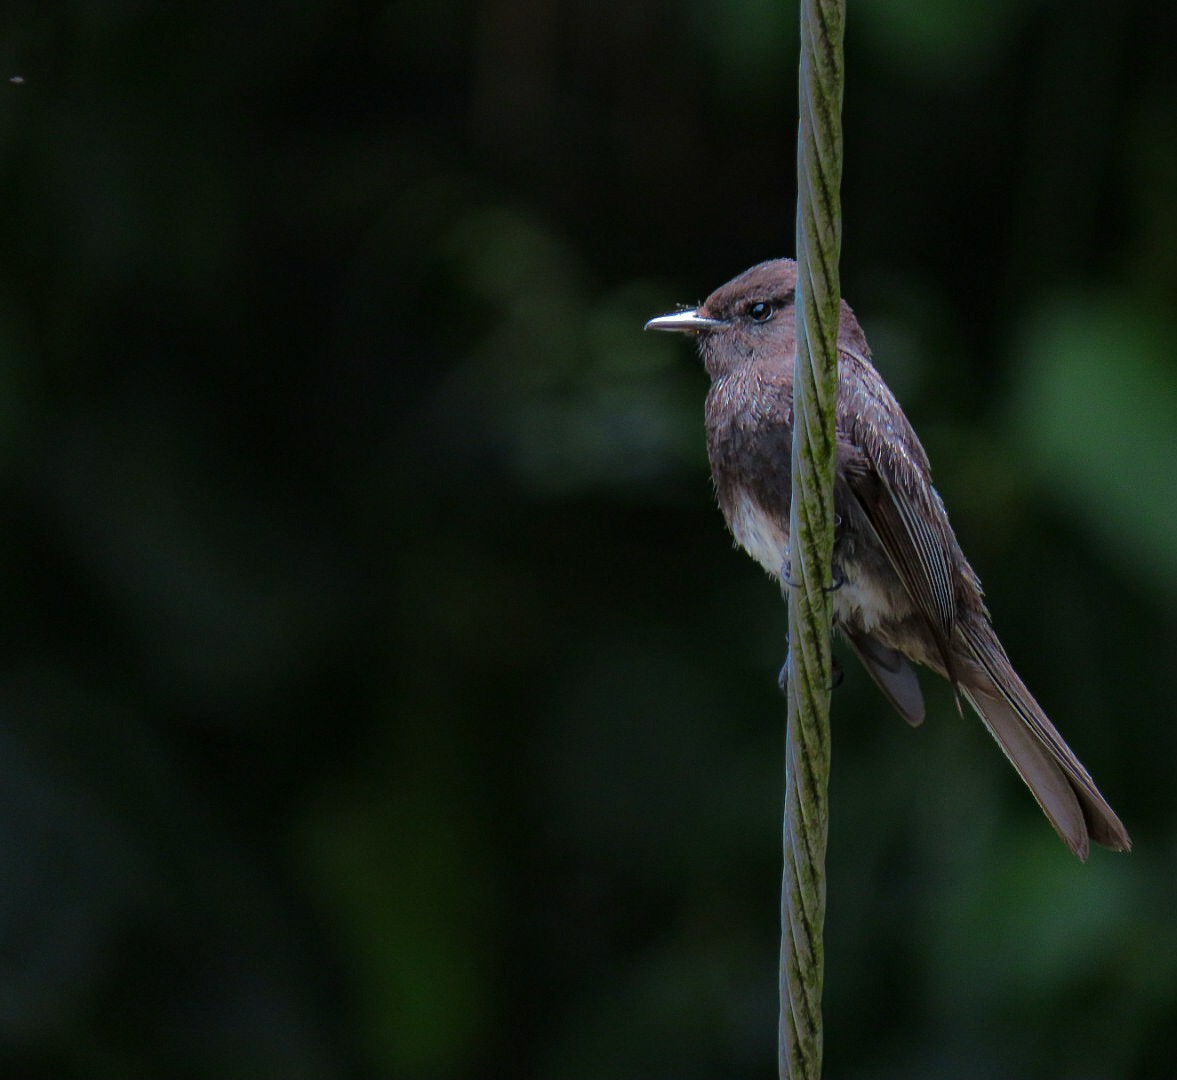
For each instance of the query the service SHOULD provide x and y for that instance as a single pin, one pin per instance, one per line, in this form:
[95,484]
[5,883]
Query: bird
[903,592]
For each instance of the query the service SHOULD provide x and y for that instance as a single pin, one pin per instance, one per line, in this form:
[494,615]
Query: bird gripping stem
[811,532]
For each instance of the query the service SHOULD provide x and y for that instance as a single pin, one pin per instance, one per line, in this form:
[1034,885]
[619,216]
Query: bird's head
[750,317]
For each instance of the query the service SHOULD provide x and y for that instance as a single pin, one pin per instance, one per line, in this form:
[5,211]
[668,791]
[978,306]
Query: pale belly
[862,600]
[760,535]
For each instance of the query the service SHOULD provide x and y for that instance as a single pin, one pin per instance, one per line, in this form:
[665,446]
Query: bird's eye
[761,311]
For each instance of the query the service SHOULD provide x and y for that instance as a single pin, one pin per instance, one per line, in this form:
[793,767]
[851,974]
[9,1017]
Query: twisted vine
[811,530]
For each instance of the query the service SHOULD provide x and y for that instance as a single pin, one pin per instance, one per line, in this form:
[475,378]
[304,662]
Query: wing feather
[892,486]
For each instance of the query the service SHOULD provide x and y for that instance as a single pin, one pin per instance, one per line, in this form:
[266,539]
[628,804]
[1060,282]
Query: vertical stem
[811,529]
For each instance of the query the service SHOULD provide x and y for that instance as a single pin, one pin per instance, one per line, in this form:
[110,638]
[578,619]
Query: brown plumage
[907,592]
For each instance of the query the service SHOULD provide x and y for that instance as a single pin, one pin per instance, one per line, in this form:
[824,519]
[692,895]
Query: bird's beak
[683,322]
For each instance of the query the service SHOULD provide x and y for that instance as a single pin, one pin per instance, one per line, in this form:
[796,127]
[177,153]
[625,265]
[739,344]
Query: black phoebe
[904,590]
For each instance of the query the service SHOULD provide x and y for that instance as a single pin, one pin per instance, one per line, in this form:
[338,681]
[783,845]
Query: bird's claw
[838,579]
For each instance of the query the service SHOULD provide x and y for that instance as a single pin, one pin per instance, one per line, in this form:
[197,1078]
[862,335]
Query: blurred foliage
[382,695]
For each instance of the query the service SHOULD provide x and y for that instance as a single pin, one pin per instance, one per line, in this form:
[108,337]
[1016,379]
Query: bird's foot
[787,575]
[837,578]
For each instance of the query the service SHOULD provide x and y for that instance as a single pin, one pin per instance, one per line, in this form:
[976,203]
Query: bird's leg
[838,579]
[787,575]
[782,679]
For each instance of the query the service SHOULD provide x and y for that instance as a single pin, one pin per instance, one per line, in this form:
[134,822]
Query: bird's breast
[868,595]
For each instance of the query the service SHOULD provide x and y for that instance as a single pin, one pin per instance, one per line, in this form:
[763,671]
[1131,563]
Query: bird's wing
[892,674]
[890,479]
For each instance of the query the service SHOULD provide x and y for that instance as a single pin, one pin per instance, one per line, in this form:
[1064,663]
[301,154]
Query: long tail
[1064,789]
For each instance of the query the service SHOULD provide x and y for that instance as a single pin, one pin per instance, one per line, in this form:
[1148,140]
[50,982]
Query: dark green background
[380,694]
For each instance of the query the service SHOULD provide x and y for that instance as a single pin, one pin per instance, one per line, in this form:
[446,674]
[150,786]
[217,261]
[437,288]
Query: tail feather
[1059,782]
